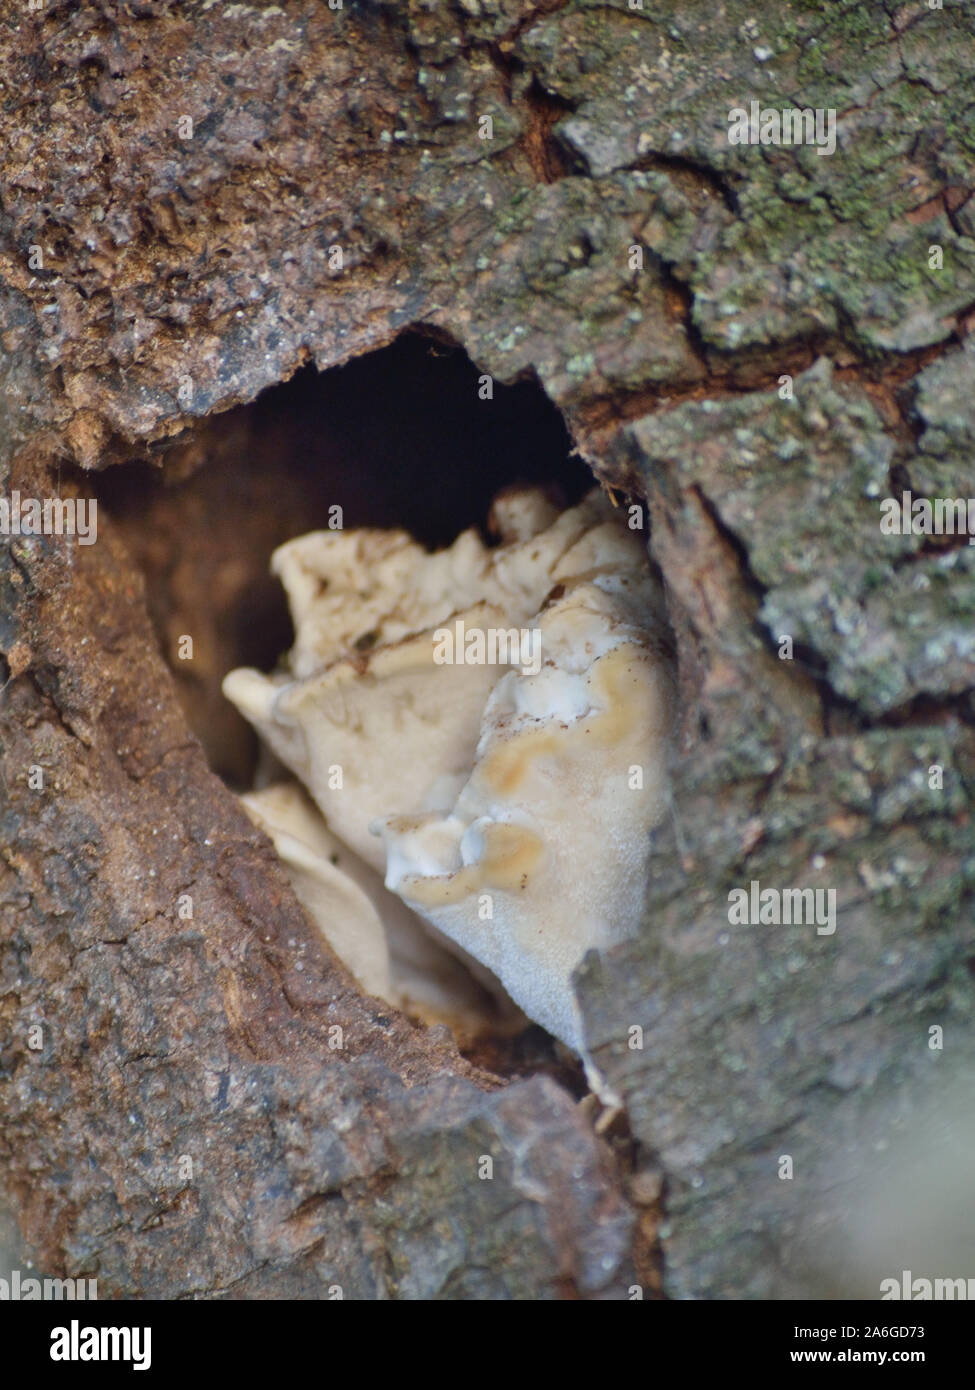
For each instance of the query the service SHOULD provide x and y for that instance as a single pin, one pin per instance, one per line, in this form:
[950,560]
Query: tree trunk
[764,342]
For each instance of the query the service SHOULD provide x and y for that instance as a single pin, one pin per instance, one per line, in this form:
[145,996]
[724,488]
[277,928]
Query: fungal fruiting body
[508,800]
[381,941]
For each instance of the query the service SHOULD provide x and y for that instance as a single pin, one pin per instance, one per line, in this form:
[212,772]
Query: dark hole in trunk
[398,438]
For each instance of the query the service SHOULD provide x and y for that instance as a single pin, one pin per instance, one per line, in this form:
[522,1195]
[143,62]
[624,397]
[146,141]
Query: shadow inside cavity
[398,438]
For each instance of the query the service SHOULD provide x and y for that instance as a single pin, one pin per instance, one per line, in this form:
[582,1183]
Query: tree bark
[760,342]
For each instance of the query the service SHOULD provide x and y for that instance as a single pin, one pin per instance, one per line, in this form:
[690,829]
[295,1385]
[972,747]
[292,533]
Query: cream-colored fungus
[388,949]
[509,803]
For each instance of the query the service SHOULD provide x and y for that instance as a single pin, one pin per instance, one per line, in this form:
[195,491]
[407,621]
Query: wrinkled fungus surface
[486,729]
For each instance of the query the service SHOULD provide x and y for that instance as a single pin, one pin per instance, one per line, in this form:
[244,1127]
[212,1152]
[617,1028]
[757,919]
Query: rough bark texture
[186,269]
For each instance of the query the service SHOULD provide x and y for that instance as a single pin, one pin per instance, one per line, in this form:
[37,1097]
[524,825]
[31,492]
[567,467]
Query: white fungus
[390,952]
[488,727]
